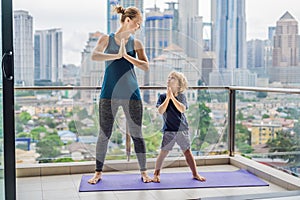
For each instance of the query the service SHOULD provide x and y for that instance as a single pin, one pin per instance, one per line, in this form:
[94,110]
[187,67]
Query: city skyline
[77,23]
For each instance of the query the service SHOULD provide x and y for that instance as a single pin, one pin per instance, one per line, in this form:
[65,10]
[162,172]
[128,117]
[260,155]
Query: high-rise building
[23,48]
[269,46]
[92,72]
[112,18]
[285,52]
[285,68]
[255,54]
[271,32]
[158,31]
[190,28]
[137,3]
[48,68]
[229,37]
[229,33]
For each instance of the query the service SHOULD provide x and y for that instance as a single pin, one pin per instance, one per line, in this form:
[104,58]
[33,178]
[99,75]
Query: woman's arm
[98,52]
[142,60]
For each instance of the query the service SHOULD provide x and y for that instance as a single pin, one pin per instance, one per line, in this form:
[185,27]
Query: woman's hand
[124,48]
[121,49]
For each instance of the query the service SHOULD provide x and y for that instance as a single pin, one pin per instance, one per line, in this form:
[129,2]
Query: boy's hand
[169,93]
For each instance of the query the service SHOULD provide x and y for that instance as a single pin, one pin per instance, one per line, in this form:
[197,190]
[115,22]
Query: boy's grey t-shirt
[173,119]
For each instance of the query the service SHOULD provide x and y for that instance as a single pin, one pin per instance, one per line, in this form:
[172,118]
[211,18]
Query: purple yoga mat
[117,182]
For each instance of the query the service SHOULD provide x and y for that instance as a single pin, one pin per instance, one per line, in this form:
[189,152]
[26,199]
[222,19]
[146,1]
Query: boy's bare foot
[145,178]
[156,179]
[96,178]
[199,178]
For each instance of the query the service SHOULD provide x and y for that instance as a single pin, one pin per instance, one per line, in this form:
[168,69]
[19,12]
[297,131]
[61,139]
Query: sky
[78,18]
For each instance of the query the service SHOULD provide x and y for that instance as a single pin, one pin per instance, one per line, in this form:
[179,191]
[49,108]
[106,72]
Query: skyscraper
[48,68]
[228,37]
[137,3]
[112,18]
[92,72]
[190,28]
[229,33]
[158,30]
[286,66]
[285,52]
[23,48]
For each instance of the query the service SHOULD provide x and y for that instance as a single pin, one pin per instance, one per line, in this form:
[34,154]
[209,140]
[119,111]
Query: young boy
[172,106]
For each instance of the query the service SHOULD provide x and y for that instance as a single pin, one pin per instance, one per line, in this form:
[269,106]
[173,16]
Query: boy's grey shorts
[182,138]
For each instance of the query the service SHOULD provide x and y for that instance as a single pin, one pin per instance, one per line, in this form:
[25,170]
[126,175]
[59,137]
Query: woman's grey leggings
[133,110]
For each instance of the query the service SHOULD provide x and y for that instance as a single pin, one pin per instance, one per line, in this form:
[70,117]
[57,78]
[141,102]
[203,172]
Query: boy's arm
[180,106]
[163,107]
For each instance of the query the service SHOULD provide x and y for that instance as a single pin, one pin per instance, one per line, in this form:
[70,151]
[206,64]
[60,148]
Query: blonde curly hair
[182,81]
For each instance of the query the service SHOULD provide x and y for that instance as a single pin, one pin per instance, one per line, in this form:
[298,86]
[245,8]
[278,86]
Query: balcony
[61,180]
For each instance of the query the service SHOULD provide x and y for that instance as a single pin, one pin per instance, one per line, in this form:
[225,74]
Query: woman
[120,87]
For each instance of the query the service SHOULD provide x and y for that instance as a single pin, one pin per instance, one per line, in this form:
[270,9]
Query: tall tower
[48,68]
[137,3]
[23,47]
[229,34]
[158,31]
[91,71]
[190,26]
[112,18]
[285,51]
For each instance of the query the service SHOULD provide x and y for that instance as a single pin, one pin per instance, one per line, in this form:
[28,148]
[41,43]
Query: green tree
[36,132]
[265,116]
[49,122]
[202,121]
[203,95]
[284,142]
[72,126]
[242,139]
[23,135]
[24,117]
[49,146]
[116,137]
[261,95]
[153,142]
[151,131]
[82,114]
[239,116]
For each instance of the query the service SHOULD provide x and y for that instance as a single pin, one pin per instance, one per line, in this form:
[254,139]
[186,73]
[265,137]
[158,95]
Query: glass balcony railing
[60,124]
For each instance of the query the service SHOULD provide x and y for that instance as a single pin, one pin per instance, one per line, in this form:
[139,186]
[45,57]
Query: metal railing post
[231,121]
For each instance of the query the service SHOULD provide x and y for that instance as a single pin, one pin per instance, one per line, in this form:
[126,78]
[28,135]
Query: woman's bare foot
[145,178]
[199,178]
[156,179]
[96,178]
